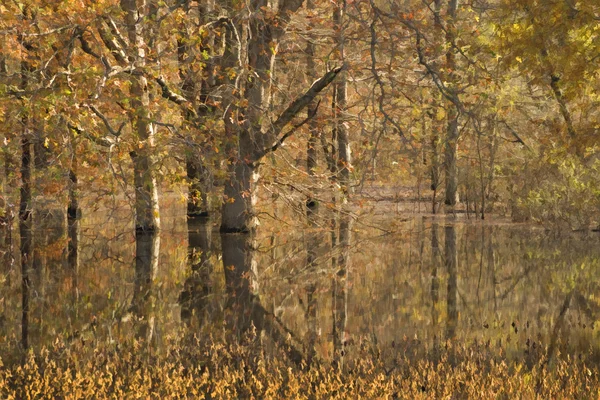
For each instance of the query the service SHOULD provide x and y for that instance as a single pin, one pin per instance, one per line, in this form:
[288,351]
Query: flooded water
[411,286]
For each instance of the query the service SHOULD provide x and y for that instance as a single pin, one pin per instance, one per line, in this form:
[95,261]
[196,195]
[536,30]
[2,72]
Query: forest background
[492,102]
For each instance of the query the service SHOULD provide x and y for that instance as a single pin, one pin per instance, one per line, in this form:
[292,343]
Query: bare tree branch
[109,128]
[101,141]
[293,109]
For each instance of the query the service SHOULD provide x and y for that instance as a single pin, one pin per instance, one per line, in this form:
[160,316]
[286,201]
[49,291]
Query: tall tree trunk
[436,126]
[147,217]
[344,166]
[313,237]
[198,174]
[249,134]
[451,143]
[40,147]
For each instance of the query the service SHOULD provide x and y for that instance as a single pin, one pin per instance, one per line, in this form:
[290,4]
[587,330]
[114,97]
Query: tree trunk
[451,143]
[147,217]
[198,175]
[344,166]
[239,198]
[25,214]
[313,237]
[250,135]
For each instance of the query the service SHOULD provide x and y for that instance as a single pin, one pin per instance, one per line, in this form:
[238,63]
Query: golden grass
[212,370]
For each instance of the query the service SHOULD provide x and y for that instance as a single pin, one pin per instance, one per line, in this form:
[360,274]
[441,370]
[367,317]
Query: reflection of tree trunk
[25,230]
[492,267]
[340,293]
[239,279]
[146,266]
[243,302]
[73,217]
[435,284]
[41,219]
[558,326]
[451,267]
[313,238]
[197,288]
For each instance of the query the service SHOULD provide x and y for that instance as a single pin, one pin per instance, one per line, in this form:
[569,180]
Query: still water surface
[425,283]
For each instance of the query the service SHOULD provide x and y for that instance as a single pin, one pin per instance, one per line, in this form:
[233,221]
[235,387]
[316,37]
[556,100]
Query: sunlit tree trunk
[436,126]
[147,217]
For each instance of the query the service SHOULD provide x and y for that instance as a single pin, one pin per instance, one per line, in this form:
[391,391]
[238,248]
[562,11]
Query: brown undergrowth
[210,369]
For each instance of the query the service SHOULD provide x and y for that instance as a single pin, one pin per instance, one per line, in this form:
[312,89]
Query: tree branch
[113,46]
[102,141]
[293,109]
[106,122]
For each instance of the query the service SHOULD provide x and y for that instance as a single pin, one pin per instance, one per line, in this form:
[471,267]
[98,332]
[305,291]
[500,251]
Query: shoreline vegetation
[211,369]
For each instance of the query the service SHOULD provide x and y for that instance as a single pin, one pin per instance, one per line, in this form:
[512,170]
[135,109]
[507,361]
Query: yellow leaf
[440,114]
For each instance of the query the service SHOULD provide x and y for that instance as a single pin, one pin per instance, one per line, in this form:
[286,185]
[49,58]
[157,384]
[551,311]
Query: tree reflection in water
[500,275]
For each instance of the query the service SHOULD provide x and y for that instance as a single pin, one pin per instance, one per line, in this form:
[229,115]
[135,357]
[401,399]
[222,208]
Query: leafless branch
[109,128]
[101,141]
[294,108]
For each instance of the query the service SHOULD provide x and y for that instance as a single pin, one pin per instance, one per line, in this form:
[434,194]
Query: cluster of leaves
[210,369]
[561,189]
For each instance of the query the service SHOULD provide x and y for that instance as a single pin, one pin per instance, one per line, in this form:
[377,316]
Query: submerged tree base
[212,369]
